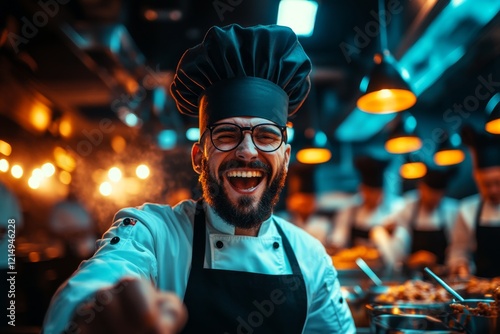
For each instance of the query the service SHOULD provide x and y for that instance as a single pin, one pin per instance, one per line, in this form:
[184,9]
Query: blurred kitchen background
[86,115]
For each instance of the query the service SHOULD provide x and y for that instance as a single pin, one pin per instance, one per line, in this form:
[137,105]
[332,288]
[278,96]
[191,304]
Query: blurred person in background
[475,241]
[420,232]
[301,202]
[69,239]
[223,263]
[353,224]
[11,221]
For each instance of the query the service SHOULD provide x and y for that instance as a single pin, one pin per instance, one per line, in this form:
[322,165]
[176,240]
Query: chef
[302,202]
[353,224]
[422,229]
[475,242]
[236,267]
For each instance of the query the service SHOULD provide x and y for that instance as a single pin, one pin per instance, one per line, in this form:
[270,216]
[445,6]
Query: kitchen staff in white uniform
[422,229]
[302,202]
[352,225]
[476,236]
[237,267]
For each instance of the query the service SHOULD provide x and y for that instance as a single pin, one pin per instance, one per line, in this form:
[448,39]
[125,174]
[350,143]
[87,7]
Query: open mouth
[245,180]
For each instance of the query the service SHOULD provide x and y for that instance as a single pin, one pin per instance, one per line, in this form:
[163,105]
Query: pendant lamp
[314,149]
[412,168]
[385,91]
[448,152]
[402,138]
[493,121]
[313,142]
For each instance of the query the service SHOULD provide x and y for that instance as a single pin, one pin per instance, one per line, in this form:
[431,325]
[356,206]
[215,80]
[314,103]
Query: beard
[244,214]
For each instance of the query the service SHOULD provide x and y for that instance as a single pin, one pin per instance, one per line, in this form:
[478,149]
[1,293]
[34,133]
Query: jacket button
[126,221]
[276,245]
[219,244]
[115,240]
[341,300]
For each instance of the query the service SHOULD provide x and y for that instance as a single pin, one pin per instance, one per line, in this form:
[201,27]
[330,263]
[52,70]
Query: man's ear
[196,155]
[288,151]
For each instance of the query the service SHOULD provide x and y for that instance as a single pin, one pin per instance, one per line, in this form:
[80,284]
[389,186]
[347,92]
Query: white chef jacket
[316,225]
[445,213]
[159,248]
[363,219]
[463,242]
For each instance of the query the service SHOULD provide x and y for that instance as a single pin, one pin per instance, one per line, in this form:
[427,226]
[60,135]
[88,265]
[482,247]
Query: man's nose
[247,150]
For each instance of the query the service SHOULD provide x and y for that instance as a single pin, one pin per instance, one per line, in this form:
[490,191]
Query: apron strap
[478,214]
[199,237]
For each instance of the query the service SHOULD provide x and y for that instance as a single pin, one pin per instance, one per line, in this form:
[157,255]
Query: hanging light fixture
[314,149]
[493,109]
[313,142]
[412,168]
[403,138]
[385,90]
[449,152]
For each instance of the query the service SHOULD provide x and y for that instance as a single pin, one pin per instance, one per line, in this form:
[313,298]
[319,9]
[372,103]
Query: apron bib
[226,301]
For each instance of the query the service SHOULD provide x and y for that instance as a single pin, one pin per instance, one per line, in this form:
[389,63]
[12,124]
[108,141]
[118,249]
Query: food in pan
[482,286]
[346,258]
[414,291]
[480,308]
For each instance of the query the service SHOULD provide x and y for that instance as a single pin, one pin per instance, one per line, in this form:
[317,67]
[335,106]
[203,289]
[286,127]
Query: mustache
[242,164]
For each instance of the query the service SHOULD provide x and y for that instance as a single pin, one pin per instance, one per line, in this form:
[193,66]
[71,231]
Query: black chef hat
[260,71]
[438,177]
[485,147]
[371,170]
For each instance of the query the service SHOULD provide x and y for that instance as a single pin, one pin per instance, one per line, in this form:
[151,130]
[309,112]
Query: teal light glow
[159,98]
[492,103]
[167,139]
[440,47]
[193,134]
[290,132]
[410,123]
[320,139]
[299,15]
[360,126]
[131,120]
[455,140]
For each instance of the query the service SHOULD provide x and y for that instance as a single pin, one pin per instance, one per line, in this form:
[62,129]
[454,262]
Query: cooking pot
[409,324]
[477,323]
[438,311]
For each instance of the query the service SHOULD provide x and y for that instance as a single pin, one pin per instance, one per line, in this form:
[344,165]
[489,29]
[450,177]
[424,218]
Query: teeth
[239,173]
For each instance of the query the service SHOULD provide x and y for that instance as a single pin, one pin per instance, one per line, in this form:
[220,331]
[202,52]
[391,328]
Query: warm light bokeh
[402,145]
[413,170]
[449,157]
[142,171]
[313,155]
[493,127]
[387,101]
[17,171]
[5,148]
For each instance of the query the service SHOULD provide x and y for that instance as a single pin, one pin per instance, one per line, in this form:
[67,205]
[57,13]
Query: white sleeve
[340,235]
[462,245]
[124,251]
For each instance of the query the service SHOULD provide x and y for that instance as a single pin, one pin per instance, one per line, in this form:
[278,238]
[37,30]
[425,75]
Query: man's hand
[130,306]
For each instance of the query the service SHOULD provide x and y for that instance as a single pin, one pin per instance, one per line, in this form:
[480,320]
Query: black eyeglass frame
[248,128]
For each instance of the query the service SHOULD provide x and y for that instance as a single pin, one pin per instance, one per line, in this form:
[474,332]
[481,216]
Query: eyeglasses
[266,137]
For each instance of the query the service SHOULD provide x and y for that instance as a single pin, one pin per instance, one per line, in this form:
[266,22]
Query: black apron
[487,247]
[435,242]
[226,301]
[358,236]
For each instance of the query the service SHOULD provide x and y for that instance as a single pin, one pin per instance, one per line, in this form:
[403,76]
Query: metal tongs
[444,284]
